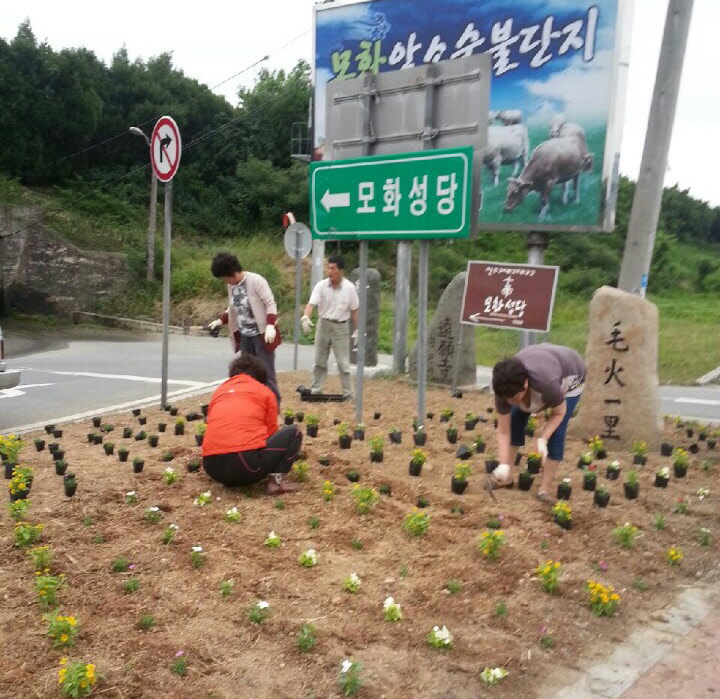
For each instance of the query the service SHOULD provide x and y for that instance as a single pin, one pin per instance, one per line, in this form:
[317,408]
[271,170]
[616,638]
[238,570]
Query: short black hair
[508,377]
[225,264]
[337,260]
[247,364]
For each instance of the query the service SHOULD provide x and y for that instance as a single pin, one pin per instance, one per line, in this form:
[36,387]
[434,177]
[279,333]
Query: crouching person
[242,444]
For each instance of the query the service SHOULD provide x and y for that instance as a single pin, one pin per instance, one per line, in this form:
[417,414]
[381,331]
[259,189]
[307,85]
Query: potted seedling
[377,415]
[666,449]
[53,447]
[139,436]
[534,461]
[376,449]
[107,427]
[585,460]
[694,448]
[142,419]
[57,434]
[422,501]
[680,462]
[136,411]
[96,421]
[179,426]
[712,439]
[359,432]
[479,444]
[491,463]
[459,480]
[153,440]
[312,425]
[662,477]
[430,415]
[463,452]
[690,429]
[612,472]
[702,434]
[61,467]
[91,437]
[192,416]
[417,460]
[299,416]
[193,466]
[58,454]
[200,433]
[531,425]
[138,464]
[640,452]
[70,484]
[525,480]
[123,454]
[395,435]
[470,421]
[49,429]
[289,416]
[631,485]
[109,448]
[446,414]
[353,476]
[204,409]
[162,426]
[601,496]
[39,444]
[420,437]
[451,434]
[324,460]
[173,411]
[589,478]
[344,438]
[564,489]
[127,432]
[562,514]
[597,446]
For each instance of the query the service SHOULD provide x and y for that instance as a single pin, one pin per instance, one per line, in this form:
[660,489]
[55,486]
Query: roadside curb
[133,324]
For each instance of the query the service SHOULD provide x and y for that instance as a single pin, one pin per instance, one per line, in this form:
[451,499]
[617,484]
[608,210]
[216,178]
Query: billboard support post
[537,242]
[167,244]
[423,260]
[402,305]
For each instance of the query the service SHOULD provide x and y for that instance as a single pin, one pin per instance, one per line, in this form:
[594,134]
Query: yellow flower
[71,620]
[557,565]
[64,638]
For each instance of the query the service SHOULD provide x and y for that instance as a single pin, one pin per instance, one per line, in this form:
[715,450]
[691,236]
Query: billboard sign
[508,295]
[413,195]
[552,132]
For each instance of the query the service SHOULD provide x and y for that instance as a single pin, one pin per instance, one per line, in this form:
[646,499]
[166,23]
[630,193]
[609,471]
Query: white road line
[198,389]
[699,401]
[124,377]
[20,390]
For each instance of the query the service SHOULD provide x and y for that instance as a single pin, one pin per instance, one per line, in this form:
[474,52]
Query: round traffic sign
[165,148]
[298,239]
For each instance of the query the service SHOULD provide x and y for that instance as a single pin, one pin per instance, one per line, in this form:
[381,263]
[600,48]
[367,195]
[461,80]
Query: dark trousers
[246,467]
[255,346]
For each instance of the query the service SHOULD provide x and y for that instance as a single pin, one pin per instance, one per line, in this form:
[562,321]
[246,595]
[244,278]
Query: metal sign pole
[456,358]
[537,241]
[423,260]
[167,237]
[362,323]
[298,283]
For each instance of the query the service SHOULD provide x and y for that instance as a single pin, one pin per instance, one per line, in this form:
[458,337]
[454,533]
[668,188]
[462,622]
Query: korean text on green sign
[411,195]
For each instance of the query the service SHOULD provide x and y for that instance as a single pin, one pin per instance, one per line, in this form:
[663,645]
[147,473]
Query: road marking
[20,390]
[699,401]
[124,377]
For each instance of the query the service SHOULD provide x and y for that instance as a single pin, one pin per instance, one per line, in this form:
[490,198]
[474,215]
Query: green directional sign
[411,195]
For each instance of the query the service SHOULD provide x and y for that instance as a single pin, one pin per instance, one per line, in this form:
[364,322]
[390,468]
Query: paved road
[79,371]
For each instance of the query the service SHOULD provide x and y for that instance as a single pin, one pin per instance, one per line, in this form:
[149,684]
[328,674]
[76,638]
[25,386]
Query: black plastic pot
[90,437]
[632,490]
[518,458]
[702,436]
[311,430]
[429,416]
[452,437]
[8,469]
[299,416]
[589,484]
[153,440]
[127,432]
[689,433]
[49,429]
[666,449]
[22,495]
[359,435]
[96,421]
[142,419]
[70,489]
[123,455]
[711,443]
[289,419]
[479,448]
[661,482]
[53,447]
[138,466]
[395,437]
[173,411]
[564,491]
[491,465]
[533,465]
[639,460]
[525,480]
[377,416]
[353,476]
[601,499]
[415,469]
[602,454]
[193,466]
[162,426]
[57,434]
[420,439]
[61,467]
[204,409]
[693,448]
[445,418]
[136,411]
[199,439]
[58,454]
[458,486]
[470,424]
[563,524]
[140,436]
[680,471]
[377,457]
[109,449]
[463,452]
[324,461]
[612,474]
[179,429]
[39,444]
[345,441]
[422,501]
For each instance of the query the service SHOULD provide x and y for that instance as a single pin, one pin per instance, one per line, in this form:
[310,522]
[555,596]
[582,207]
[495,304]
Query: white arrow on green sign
[410,195]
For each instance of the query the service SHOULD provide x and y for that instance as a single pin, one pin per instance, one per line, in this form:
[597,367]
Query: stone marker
[372,318]
[444,347]
[621,401]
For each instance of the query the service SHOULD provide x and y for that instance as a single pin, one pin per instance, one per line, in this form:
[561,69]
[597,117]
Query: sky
[215,40]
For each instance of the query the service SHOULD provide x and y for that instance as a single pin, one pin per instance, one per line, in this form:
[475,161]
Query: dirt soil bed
[230,657]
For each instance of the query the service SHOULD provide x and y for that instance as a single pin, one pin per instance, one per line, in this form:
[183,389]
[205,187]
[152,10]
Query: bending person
[242,444]
[537,378]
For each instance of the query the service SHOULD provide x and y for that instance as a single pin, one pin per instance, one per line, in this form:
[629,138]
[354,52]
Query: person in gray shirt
[537,378]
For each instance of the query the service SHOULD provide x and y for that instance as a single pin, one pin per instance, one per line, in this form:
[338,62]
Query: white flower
[153,509]
[130,494]
[207,494]
[272,535]
[355,579]
[346,666]
[389,602]
[567,480]
[169,469]
[704,530]
[443,634]
[197,549]
[173,526]
[262,604]
[664,472]
[232,511]
[702,493]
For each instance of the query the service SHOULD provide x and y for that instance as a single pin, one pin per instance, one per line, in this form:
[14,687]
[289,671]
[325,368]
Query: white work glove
[542,447]
[270,334]
[354,338]
[502,474]
[215,324]
[307,324]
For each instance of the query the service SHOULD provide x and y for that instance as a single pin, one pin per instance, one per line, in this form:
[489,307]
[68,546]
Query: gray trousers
[255,346]
[335,335]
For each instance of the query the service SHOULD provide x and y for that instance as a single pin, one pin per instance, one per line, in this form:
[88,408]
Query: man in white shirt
[337,301]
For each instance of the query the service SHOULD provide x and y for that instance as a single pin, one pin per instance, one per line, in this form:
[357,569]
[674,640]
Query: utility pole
[648,193]
[153,212]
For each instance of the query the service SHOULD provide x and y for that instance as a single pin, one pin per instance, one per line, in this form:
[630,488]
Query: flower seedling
[169,534]
[674,556]
[501,609]
[625,535]
[446,414]
[703,536]
[549,576]
[131,497]
[603,599]
[62,630]
[179,665]
[349,677]
[314,522]
[376,444]
[453,586]
[197,557]
[597,446]
[307,639]
[418,457]
[18,509]
[233,515]
[76,679]
[680,457]
[308,559]
[702,493]
[365,499]
[120,565]
[440,637]
[226,588]
[203,499]
[328,490]
[41,556]
[131,585]
[356,545]
[259,612]
[391,610]
[279,504]
[562,512]
[659,521]
[681,506]
[170,476]
[492,675]
[273,541]
[147,622]
[300,471]
[46,587]
[352,583]
[416,523]
[153,514]
[490,543]
[586,459]
[27,534]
